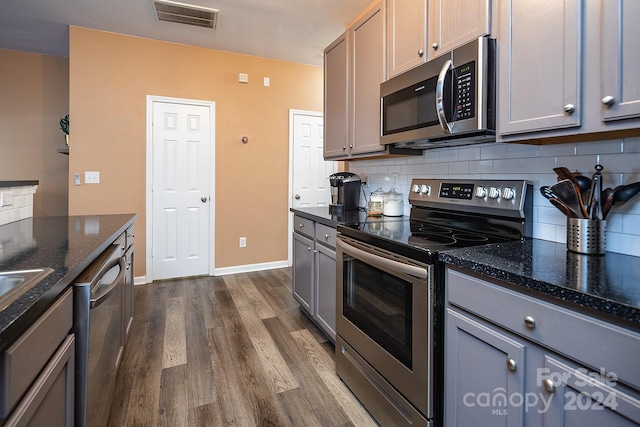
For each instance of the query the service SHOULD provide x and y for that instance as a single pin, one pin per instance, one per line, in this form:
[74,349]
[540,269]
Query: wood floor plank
[206,289]
[244,293]
[202,389]
[207,415]
[325,368]
[174,404]
[273,363]
[175,335]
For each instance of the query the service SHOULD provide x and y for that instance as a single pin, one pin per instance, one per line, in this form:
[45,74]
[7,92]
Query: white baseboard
[250,267]
[140,280]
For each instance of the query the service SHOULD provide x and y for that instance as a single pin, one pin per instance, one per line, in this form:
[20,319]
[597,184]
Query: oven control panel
[470,195]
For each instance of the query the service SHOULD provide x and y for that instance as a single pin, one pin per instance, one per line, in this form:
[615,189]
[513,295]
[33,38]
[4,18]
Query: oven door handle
[369,258]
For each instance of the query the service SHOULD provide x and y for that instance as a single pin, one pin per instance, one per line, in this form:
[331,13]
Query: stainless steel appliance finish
[447,101]
[98,329]
[390,296]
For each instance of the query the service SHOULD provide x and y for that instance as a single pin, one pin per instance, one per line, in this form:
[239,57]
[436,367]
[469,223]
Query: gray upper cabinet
[353,71]
[568,68]
[540,65]
[452,25]
[336,97]
[620,59]
[406,35]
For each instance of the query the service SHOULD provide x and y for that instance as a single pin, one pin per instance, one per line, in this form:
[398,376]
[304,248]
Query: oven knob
[494,192]
[481,192]
[508,193]
[416,188]
[425,189]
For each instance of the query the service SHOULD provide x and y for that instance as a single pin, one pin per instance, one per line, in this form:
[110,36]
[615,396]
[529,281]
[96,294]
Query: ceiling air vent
[182,13]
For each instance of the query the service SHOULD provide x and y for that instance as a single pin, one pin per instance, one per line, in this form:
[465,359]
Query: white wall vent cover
[183,13]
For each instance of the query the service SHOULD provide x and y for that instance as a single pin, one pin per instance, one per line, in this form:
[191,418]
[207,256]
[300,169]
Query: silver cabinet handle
[315,251]
[569,108]
[420,53]
[549,385]
[350,145]
[326,236]
[435,46]
[608,100]
[309,248]
[301,225]
[344,147]
[511,364]
[297,197]
[530,322]
[442,118]
[203,199]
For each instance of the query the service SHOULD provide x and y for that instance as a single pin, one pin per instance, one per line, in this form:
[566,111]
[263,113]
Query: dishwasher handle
[102,296]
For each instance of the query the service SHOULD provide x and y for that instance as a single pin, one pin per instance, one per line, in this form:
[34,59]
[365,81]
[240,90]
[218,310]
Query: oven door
[385,314]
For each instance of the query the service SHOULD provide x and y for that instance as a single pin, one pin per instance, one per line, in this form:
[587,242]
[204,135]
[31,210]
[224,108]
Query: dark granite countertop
[608,284]
[66,244]
[18,183]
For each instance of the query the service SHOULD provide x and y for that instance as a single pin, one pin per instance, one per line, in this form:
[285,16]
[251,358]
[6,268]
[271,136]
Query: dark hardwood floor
[233,350]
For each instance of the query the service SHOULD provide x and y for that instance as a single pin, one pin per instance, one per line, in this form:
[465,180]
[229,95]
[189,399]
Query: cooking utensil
[593,204]
[563,208]
[565,191]
[607,201]
[547,192]
[622,194]
[564,173]
[584,182]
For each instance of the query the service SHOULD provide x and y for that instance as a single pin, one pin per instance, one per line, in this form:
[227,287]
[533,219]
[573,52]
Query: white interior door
[310,181]
[182,141]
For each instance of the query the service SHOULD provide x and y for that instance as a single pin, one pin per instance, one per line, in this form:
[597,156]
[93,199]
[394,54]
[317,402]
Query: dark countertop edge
[18,183]
[39,306]
[316,218]
[606,309]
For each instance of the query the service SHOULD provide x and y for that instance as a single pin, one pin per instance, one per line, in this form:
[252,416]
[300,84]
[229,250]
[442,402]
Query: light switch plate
[92,177]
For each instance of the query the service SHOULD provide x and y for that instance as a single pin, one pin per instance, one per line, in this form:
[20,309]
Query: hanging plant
[64,124]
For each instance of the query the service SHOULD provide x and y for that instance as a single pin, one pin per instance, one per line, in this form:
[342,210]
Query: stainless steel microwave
[449,101]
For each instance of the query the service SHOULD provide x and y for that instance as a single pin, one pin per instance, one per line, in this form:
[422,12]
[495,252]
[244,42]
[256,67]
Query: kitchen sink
[15,283]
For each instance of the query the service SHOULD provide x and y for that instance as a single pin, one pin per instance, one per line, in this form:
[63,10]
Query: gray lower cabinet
[38,371]
[314,272]
[514,360]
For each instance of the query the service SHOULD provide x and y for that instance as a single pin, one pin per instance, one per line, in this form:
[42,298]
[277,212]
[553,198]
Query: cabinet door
[326,290]
[50,400]
[127,295]
[406,35]
[368,73]
[303,271]
[620,59]
[539,65]
[454,23]
[336,94]
[576,399]
[483,369]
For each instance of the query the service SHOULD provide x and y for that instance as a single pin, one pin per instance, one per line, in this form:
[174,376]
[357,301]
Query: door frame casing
[292,113]
[151,99]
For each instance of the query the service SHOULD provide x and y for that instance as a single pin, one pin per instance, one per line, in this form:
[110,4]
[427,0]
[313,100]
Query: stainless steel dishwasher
[98,329]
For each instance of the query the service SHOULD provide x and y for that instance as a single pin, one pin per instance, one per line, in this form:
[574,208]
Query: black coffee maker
[345,192]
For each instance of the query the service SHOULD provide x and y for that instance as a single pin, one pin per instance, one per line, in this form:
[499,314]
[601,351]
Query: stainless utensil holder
[586,236]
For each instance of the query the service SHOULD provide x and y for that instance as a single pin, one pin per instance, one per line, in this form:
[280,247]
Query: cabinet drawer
[326,235]
[24,360]
[129,236]
[303,226]
[597,344]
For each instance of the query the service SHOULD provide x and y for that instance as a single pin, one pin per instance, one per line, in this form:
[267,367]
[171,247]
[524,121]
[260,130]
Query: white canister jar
[392,203]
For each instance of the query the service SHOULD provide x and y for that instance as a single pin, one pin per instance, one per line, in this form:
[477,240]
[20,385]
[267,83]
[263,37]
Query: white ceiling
[289,30]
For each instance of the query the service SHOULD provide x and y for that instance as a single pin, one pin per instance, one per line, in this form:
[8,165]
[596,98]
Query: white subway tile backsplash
[535,164]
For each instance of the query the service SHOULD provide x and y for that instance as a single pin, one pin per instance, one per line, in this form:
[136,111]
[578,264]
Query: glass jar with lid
[392,203]
[376,203]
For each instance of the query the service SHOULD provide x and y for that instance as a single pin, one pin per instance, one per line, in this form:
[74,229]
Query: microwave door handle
[442,118]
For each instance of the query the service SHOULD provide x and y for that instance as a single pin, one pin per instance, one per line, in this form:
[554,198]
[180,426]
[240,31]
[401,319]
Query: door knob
[297,197]
[203,199]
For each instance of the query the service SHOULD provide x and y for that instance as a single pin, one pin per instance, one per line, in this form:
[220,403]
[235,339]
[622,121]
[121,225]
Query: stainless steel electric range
[390,293]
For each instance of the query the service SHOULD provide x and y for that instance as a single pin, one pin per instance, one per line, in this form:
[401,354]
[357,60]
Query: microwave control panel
[466,81]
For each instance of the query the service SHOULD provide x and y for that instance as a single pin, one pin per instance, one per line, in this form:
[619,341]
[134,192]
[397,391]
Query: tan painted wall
[34,95]
[112,74]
